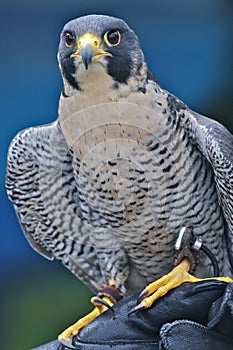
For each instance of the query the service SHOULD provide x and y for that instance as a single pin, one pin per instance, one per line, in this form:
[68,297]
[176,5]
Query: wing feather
[215,142]
[41,185]
[22,183]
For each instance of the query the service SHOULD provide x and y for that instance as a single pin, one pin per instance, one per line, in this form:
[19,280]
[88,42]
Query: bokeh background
[188,45]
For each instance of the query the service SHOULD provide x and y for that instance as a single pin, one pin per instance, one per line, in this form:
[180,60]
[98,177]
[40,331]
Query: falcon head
[94,45]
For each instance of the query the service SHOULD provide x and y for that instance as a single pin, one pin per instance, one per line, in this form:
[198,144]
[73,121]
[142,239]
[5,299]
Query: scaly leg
[106,298]
[84,321]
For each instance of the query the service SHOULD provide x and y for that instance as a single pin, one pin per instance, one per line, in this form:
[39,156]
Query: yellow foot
[84,321]
[175,278]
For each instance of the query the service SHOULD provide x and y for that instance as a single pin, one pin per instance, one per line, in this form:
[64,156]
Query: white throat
[97,87]
[94,80]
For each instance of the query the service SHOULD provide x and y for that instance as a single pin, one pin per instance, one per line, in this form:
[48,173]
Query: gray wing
[42,188]
[215,142]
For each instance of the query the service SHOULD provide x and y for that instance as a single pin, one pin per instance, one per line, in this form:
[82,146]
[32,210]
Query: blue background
[188,46]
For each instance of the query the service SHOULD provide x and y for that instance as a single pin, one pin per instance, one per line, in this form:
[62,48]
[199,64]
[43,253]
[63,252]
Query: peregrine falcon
[107,186]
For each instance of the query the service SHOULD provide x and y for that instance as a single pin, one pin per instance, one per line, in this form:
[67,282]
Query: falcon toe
[179,275]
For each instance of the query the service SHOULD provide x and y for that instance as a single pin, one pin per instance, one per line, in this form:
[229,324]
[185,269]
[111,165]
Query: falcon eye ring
[112,37]
[69,39]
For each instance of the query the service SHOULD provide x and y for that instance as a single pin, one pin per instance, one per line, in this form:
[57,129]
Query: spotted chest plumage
[139,176]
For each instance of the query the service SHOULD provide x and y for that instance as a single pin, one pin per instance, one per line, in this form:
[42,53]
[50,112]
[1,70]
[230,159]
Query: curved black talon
[136,308]
[139,306]
[142,295]
[103,302]
[67,345]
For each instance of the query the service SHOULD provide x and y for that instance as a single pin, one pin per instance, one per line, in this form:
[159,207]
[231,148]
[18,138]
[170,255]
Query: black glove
[197,316]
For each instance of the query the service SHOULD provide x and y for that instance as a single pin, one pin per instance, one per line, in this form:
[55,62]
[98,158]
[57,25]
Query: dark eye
[112,37]
[69,39]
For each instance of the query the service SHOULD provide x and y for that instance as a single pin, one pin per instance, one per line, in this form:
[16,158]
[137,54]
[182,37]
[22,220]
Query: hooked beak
[89,49]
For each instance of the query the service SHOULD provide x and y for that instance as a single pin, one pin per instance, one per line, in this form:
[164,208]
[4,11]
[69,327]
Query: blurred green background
[188,45]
